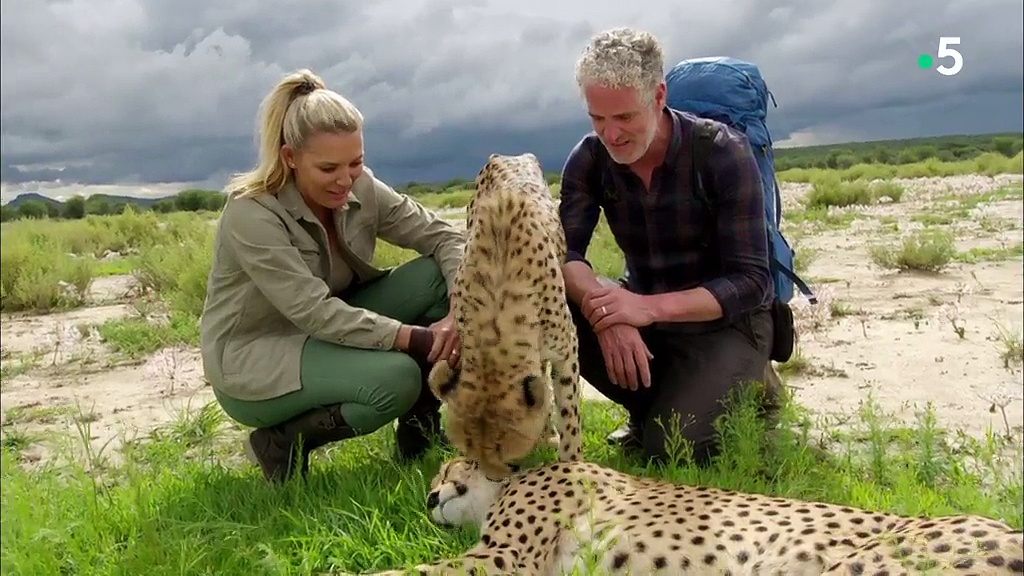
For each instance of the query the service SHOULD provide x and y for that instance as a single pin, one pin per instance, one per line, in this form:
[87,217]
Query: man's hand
[446,341]
[626,357]
[607,306]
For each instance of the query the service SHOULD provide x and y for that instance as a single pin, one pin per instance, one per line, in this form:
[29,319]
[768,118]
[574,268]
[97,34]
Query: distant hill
[109,198]
[35,205]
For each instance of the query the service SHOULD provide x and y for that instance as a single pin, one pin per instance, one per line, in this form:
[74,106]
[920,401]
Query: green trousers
[373,387]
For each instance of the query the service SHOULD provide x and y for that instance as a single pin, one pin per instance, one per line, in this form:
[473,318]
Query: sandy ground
[875,333]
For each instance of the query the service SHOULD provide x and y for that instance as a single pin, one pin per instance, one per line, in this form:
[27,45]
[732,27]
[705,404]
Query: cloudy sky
[150,95]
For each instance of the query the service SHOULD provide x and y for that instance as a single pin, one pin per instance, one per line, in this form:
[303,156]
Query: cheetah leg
[480,560]
[565,379]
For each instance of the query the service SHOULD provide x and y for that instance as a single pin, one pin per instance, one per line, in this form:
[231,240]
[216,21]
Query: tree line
[898,152]
[831,156]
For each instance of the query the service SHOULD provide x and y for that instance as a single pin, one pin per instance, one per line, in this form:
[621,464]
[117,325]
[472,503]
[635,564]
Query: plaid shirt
[666,234]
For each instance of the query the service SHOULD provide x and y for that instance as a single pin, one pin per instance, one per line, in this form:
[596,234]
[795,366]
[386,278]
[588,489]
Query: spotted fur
[561,517]
[518,351]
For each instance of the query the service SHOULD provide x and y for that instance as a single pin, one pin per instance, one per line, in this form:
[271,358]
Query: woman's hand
[439,341]
[446,341]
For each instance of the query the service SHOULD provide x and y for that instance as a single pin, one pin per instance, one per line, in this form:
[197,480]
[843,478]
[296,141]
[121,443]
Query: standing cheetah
[561,517]
[518,341]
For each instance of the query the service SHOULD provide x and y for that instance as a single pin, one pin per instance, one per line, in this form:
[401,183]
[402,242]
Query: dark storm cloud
[144,91]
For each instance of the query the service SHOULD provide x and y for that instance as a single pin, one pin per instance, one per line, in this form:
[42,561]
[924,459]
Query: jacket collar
[290,197]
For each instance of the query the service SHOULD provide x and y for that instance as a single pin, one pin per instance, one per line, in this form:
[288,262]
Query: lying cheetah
[518,340]
[636,525]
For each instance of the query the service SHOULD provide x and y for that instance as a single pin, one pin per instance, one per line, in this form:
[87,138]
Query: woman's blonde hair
[299,106]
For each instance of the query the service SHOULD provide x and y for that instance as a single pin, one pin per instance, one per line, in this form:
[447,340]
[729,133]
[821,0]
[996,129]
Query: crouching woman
[303,338]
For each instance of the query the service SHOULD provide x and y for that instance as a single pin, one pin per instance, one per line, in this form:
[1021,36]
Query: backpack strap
[704,134]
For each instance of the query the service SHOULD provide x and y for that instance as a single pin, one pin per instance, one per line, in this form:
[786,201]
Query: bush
[41,273]
[928,250]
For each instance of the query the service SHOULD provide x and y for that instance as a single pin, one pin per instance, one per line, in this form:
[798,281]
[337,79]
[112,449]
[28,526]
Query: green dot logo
[925,61]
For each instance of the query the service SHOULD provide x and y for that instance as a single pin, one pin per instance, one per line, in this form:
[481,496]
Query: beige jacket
[267,289]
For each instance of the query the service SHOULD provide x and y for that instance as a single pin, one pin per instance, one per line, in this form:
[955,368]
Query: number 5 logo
[944,50]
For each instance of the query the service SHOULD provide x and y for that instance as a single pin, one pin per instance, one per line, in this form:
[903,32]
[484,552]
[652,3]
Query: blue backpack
[733,92]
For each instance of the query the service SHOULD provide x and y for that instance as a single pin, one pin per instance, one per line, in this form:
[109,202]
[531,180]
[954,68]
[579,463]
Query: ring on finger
[604,311]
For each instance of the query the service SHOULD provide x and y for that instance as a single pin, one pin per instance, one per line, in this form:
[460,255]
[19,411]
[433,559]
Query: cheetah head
[460,494]
[503,167]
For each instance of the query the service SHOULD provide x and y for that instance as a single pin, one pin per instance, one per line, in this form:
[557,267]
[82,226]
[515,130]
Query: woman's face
[326,166]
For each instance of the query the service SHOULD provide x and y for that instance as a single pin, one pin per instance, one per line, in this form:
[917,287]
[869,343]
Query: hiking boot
[774,396]
[630,436]
[276,448]
[416,433]
[420,426]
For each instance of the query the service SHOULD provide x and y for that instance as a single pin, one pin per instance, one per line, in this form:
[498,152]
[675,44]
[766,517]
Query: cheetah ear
[443,380]
[533,391]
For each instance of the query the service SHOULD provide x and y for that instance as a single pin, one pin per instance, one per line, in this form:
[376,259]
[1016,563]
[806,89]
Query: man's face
[624,122]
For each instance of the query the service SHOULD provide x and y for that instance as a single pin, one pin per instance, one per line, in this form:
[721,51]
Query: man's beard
[639,148]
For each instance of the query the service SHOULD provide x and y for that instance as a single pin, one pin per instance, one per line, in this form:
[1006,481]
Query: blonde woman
[303,338]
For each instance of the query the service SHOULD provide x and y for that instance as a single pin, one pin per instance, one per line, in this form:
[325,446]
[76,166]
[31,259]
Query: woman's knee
[424,274]
[400,384]
[423,271]
[239,411]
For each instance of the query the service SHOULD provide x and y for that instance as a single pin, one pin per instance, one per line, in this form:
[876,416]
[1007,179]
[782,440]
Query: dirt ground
[892,336]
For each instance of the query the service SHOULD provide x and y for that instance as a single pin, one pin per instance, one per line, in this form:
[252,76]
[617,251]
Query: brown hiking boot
[276,449]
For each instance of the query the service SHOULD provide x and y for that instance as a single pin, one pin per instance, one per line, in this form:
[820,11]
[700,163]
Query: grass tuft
[927,250]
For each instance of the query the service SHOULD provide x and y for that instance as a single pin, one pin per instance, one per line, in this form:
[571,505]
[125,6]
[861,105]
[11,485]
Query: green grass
[180,503]
[176,505]
[989,164]
[902,151]
[860,184]
[932,249]
[928,250]
[830,190]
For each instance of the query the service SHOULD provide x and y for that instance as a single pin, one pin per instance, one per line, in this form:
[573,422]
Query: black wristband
[421,340]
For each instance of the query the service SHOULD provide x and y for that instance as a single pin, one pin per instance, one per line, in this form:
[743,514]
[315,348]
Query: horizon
[170,189]
[478,78]
[155,191]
